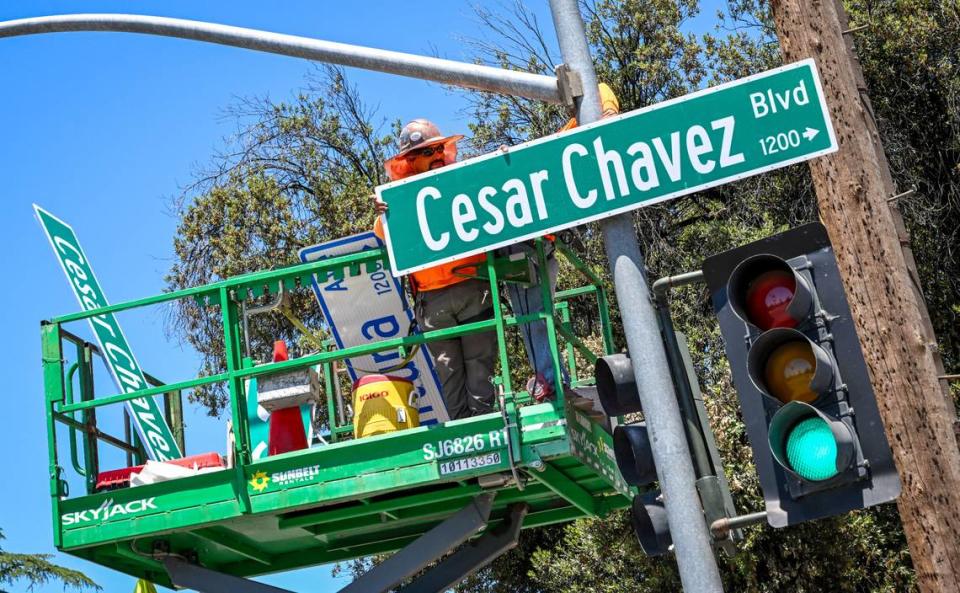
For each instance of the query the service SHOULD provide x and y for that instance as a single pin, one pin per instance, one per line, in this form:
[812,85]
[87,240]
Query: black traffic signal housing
[618,394]
[809,409]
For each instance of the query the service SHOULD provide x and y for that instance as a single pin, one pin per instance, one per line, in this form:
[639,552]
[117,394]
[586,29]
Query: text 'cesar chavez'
[518,200]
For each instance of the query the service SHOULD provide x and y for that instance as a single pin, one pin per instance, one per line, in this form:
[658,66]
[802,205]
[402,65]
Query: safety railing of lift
[82,369]
[63,408]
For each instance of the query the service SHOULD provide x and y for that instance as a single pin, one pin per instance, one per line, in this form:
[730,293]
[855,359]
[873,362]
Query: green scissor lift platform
[473,479]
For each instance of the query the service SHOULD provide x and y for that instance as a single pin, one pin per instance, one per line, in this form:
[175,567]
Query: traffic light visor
[810,444]
[616,385]
[649,519]
[766,292]
[634,454]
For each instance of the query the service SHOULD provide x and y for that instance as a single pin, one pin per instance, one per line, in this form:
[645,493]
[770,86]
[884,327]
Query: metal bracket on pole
[473,557]
[569,85]
[428,547]
[721,528]
[190,576]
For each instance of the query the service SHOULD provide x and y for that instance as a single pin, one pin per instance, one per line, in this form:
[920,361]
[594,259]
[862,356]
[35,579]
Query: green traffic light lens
[812,450]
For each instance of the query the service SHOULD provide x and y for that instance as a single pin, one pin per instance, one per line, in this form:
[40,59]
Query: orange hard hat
[418,134]
[421,133]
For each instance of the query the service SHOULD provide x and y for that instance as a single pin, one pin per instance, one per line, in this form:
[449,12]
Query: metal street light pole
[688,528]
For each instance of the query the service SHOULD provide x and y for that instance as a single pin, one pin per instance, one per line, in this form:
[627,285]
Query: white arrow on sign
[810,133]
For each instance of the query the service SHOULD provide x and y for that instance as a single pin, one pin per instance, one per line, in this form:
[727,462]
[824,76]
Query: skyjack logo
[107,511]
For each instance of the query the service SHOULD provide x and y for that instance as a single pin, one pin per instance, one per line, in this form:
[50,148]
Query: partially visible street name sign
[593,446]
[154,432]
[369,307]
[708,138]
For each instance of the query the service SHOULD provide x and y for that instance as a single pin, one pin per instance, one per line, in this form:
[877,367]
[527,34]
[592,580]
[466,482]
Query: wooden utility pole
[854,187]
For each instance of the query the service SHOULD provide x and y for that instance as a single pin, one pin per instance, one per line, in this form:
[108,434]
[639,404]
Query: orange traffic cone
[286,426]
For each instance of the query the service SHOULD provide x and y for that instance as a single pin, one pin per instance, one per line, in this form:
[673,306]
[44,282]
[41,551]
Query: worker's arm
[609,104]
[380,208]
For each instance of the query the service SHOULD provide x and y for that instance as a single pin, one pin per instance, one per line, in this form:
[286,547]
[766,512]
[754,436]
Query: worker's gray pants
[465,364]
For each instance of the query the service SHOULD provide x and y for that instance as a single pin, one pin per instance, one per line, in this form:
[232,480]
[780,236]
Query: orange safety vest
[440,276]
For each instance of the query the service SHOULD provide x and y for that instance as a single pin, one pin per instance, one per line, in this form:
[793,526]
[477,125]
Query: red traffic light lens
[789,370]
[767,298]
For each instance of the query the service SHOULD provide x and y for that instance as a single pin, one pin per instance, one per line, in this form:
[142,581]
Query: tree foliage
[295,174]
[298,171]
[36,569]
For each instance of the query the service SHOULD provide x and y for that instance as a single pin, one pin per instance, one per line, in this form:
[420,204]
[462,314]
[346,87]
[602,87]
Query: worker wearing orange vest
[525,300]
[445,296]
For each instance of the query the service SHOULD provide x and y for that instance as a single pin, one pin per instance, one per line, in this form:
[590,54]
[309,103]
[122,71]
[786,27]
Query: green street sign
[154,432]
[708,138]
[593,446]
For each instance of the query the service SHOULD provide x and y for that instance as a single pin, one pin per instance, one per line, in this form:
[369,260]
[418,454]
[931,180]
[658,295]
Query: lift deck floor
[351,499]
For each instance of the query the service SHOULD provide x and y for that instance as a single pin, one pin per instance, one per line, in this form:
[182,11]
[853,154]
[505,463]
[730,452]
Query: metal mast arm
[462,74]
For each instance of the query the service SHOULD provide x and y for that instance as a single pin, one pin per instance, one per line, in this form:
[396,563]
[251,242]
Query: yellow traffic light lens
[789,370]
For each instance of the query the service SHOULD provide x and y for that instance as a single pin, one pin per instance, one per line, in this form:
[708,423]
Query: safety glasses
[424,152]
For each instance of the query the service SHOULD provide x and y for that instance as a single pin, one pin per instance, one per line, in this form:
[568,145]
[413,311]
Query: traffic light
[634,457]
[617,392]
[807,402]
[616,385]
[632,448]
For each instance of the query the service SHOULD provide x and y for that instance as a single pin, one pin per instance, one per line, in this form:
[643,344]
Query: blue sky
[102,129]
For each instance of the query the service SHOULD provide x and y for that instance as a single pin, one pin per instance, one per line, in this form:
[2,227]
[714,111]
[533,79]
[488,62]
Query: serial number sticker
[458,446]
[468,463]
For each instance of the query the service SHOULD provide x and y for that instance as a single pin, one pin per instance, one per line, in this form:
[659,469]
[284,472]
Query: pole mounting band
[568,84]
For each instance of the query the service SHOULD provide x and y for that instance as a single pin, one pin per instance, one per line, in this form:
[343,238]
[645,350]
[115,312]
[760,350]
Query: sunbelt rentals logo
[107,510]
[259,481]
